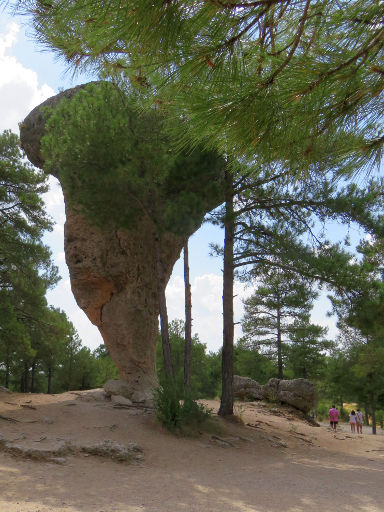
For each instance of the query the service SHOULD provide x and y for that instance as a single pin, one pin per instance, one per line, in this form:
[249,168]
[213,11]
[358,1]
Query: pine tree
[280,224]
[23,220]
[308,346]
[226,401]
[279,300]
[361,320]
[26,271]
[282,79]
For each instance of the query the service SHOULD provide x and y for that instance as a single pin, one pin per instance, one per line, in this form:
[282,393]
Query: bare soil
[271,462]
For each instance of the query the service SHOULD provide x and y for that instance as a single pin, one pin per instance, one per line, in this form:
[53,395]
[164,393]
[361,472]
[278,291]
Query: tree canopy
[100,145]
[26,270]
[247,74]
[268,324]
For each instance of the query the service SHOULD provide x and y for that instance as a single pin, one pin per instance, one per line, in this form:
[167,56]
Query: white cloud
[20,90]
[60,257]
[9,39]
[54,197]
[61,297]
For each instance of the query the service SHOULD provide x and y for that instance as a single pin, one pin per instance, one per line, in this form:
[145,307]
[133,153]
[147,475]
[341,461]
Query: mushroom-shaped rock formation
[130,202]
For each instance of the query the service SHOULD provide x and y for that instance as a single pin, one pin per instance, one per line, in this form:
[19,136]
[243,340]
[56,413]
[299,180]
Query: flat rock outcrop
[57,451]
[114,270]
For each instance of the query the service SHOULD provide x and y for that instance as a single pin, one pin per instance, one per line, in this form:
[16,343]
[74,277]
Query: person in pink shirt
[333,417]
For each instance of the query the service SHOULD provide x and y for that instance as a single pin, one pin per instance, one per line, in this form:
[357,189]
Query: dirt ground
[274,462]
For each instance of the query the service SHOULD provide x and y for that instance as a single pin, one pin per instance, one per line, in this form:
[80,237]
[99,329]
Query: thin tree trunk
[373,411]
[7,368]
[226,403]
[7,375]
[188,320]
[24,379]
[70,373]
[33,372]
[163,311]
[279,352]
[49,380]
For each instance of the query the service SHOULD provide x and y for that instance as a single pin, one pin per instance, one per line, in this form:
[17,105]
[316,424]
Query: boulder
[121,392]
[120,400]
[118,388]
[270,390]
[300,393]
[92,395]
[247,388]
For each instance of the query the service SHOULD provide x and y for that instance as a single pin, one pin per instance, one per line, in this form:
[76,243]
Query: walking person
[353,421]
[359,421]
[333,417]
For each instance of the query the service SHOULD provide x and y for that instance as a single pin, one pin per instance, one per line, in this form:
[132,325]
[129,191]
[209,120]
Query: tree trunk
[161,284]
[70,373]
[49,380]
[33,373]
[7,368]
[373,411]
[188,320]
[7,376]
[279,351]
[226,403]
[24,384]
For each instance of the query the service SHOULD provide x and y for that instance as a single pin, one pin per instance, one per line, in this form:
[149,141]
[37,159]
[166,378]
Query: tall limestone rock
[112,261]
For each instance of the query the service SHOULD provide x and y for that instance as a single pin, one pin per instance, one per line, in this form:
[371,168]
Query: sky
[28,76]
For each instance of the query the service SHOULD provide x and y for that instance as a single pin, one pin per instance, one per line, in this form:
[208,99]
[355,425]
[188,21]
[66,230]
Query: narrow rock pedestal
[113,271]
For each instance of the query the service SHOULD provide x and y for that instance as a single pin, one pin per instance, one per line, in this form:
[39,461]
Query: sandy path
[277,464]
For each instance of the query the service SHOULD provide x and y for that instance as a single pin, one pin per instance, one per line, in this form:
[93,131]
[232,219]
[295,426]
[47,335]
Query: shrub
[380,418]
[180,415]
[322,411]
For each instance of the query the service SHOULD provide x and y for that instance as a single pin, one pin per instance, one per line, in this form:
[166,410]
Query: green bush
[344,414]
[322,411]
[380,418]
[180,415]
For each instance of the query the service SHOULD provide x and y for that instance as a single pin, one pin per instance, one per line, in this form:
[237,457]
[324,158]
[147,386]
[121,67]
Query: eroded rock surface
[131,452]
[300,393]
[247,388]
[113,271]
[57,451]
